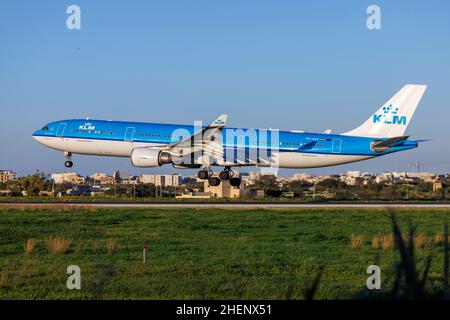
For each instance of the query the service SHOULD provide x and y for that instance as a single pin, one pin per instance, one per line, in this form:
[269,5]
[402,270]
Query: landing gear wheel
[68,164]
[214,181]
[235,182]
[203,174]
[224,175]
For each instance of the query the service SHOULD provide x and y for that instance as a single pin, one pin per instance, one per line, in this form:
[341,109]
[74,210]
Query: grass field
[204,253]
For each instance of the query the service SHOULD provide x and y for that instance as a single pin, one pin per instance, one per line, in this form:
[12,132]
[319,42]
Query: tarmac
[235,205]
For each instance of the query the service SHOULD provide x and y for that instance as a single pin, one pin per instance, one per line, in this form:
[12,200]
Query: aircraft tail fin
[392,119]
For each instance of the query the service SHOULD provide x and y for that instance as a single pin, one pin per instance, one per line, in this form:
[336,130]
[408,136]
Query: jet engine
[149,157]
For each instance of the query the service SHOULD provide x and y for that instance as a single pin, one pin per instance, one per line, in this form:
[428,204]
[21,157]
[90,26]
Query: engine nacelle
[149,157]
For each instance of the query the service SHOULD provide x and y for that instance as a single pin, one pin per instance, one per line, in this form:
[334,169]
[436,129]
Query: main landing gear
[68,163]
[226,174]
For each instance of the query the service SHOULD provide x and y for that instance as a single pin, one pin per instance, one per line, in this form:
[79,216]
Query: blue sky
[282,64]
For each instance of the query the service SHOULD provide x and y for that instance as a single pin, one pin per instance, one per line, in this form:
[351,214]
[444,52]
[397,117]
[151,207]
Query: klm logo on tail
[389,116]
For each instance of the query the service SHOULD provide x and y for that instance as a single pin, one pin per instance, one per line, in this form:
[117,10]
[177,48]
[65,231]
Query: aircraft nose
[37,136]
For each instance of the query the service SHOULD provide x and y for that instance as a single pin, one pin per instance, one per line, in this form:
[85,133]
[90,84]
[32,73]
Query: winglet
[220,122]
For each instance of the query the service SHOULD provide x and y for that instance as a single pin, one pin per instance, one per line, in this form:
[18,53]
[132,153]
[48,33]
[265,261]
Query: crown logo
[390,110]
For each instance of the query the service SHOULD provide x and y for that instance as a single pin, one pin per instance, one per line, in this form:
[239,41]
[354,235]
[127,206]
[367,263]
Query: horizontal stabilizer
[380,146]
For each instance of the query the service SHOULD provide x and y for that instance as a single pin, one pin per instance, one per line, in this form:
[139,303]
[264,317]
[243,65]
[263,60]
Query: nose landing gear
[68,163]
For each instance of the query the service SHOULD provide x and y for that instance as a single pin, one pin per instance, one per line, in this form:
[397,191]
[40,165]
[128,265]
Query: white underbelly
[93,147]
[314,160]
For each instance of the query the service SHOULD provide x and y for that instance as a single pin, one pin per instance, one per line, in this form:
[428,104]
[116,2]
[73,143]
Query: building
[257,193]
[172,180]
[194,195]
[161,180]
[254,176]
[303,177]
[67,177]
[132,180]
[7,175]
[120,176]
[424,176]
[102,178]
[79,190]
[437,185]
[224,190]
[384,177]
[350,177]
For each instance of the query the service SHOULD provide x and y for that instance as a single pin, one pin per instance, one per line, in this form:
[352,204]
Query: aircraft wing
[207,141]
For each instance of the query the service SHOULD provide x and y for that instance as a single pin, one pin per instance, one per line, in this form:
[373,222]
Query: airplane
[203,147]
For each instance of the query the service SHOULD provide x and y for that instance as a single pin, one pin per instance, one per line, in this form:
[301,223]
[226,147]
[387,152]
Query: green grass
[203,253]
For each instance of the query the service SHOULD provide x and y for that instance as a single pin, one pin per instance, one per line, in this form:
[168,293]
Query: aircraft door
[129,134]
[60,129]
[337,144]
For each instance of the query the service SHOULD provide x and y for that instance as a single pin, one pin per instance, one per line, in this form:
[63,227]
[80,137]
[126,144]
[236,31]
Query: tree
[63,187]
[14,187]
[267,182]
[330,185]
[34,184]
[147,190]
[299,185]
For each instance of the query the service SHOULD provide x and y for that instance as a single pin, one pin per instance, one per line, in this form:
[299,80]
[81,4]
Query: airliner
[215,145]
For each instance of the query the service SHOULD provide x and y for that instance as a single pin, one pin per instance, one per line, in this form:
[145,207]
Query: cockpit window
[45,128]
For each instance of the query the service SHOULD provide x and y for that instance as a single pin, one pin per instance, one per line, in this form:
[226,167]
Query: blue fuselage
[287,141]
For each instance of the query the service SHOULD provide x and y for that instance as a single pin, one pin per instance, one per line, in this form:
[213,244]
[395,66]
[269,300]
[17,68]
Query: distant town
[352,185]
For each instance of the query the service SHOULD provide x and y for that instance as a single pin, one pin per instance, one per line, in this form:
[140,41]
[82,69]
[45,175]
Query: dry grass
[57,244]
[3,279]
[111,246]
[405,238]
[420,240]
[356,241]
[438,241]
[377,241]
[95,246]
[388,242]
[29,245]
